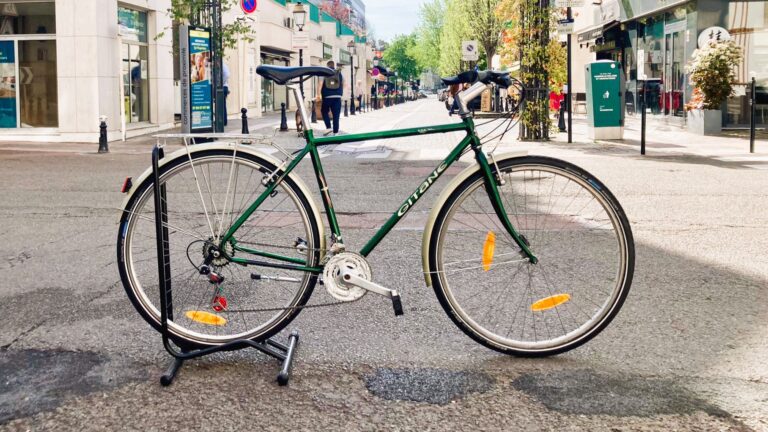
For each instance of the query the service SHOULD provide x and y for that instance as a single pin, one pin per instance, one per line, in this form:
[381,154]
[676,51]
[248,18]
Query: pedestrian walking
[225,85]
[331,91]
[453,91]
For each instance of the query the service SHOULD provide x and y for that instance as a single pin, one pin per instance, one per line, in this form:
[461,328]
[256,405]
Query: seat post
[294,88]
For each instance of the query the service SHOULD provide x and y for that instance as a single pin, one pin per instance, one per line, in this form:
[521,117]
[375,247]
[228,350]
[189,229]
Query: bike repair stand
[269,347]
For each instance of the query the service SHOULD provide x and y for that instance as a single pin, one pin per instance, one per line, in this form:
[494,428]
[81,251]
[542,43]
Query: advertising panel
[8,85]
[196,79]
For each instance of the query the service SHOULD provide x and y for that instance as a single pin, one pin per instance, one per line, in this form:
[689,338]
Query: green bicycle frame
[310,149]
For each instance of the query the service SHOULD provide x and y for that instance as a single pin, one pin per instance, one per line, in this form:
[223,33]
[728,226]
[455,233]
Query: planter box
[705,122]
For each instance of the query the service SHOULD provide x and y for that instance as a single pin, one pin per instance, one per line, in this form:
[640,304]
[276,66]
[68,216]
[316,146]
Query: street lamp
[352,51]
[299,18]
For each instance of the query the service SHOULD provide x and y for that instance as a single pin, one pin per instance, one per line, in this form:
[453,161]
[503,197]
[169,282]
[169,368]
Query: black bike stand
[270,347]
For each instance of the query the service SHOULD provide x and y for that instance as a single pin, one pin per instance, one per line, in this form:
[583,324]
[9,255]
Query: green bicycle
[528,255]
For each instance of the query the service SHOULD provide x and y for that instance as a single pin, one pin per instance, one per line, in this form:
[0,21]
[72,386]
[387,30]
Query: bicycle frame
[311,149]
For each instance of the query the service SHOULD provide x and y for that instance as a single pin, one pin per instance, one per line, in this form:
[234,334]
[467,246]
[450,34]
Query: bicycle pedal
[397,305]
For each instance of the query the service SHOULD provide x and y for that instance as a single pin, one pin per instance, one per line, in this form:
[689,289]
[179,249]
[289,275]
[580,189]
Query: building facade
[653,40]
[65,64]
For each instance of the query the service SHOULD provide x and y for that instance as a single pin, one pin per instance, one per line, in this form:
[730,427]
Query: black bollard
[103,146]
[313,118]
[283,118]
[346,109]
[561,117]
[244,118]
[752,107]
[359,102]
[642,122]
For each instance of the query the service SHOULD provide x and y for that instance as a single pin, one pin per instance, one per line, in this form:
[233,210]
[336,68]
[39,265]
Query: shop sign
[132,24]
[7,85]
[469,51]
[196,87]
[603,47]
[569,3]
[713,34]
[344,57]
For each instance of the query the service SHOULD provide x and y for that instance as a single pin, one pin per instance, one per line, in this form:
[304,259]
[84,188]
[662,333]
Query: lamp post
[352,52]
[299,17]
[376,84]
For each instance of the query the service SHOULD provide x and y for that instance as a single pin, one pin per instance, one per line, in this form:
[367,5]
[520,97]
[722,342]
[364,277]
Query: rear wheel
[574,226]
[205,194]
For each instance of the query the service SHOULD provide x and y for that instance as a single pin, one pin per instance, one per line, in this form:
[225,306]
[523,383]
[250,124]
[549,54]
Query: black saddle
[284,74]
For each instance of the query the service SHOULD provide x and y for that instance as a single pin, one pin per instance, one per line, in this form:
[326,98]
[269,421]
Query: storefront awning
[595,32]
[274,52]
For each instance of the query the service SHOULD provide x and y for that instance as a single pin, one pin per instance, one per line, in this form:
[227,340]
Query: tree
[197,12]
[455,30]
[428,34]
[400,56]
[483,24]
[535,18]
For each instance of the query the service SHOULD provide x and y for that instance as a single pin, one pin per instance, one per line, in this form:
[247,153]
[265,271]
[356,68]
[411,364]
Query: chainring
[333,281]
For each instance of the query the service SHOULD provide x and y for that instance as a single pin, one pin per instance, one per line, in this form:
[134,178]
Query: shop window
[38,89]
[27,18]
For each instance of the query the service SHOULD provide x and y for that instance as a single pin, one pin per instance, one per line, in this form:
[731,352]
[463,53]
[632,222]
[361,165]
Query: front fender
[463,175]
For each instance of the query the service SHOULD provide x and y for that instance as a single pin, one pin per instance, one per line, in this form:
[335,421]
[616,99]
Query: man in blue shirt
[331,91]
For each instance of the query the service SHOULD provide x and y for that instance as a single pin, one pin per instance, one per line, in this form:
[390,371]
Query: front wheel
[574,226]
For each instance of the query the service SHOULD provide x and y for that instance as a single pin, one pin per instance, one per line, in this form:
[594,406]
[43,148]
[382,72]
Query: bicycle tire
[137,220]
[553,244]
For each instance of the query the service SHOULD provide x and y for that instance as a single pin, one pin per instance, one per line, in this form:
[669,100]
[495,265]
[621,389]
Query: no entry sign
[248,6]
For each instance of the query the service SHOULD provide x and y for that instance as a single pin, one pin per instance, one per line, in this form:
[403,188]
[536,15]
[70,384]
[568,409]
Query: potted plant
[712,74]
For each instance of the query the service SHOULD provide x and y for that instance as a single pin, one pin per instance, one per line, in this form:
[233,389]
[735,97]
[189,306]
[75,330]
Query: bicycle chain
[306,306]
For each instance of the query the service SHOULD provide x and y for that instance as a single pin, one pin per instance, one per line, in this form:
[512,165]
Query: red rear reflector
[127,184]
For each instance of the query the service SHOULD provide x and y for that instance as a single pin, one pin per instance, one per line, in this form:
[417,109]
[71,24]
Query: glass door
[135,83]
[674,74]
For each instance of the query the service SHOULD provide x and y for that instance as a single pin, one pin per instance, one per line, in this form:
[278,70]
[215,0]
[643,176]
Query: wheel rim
[274,227]
[582,260]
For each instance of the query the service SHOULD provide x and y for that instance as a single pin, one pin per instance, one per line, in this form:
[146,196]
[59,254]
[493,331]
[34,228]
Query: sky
[392,17]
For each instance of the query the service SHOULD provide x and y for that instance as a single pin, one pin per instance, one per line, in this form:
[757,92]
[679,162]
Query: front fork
[492,186]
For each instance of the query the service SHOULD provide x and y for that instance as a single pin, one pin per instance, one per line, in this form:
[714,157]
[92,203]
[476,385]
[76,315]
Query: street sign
[565,26]
[469,51]
[569,3]
[248,6]
[713,34]
[300,40]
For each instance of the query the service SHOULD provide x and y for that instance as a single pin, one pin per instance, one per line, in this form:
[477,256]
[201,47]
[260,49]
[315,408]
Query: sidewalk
[673,140]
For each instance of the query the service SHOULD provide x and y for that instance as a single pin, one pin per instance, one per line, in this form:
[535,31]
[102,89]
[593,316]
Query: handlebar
[501,79]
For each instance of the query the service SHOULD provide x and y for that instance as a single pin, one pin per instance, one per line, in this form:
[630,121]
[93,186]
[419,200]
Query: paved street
[688,351]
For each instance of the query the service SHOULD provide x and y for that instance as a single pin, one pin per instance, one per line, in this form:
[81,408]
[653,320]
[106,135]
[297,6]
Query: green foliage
[534,63]
[401,56]
[429,33]
[712,72]
[483,24]
[196,12]
[455,30]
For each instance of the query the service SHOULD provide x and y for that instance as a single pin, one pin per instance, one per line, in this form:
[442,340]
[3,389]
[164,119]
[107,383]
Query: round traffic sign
[248,6]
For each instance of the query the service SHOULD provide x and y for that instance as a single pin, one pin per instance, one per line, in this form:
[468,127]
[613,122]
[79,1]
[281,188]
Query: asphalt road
[687,352]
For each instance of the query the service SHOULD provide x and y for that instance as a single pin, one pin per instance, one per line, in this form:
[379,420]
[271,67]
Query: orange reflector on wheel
[550,302]
[206,318]
[488,247]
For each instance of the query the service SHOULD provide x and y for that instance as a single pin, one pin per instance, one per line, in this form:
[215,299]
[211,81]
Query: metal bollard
[346,109]
[244,118]
[359,102]
[642,122]
[103,146]
[283,118]
[313,118]
[561,117]
[752,107]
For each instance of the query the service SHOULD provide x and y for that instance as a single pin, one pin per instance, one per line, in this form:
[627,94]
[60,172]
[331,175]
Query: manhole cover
[434,386]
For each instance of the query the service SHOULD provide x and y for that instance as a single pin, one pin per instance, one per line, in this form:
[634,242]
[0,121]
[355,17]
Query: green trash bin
[605,100]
